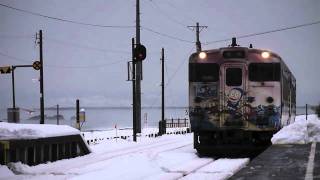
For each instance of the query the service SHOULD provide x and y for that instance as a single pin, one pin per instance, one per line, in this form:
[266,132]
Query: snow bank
[5,172]
[34,131]
[300,132]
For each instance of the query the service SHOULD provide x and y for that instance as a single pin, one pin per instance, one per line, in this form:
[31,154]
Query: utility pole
[13,89]
[198,30]
[77,114]
[41,80]
[162,85]
[138,72]
[15,116]
[57,114]
[163,122]
[134,108]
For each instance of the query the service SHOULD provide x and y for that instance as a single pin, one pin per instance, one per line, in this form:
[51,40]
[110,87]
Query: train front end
[234,99]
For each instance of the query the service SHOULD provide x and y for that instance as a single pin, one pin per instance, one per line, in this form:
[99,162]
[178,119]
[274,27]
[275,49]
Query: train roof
[248,55]
[237,48]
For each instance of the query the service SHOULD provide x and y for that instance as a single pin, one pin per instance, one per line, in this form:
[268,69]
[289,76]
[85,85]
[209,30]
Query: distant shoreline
[157,107]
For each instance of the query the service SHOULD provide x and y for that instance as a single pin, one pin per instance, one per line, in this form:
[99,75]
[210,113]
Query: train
[238,98]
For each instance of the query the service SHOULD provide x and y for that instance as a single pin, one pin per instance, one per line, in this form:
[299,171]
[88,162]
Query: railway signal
[36,65]
[5,70]
[140,52]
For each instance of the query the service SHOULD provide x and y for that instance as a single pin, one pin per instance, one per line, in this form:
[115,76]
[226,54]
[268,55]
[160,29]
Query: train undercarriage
[231,142]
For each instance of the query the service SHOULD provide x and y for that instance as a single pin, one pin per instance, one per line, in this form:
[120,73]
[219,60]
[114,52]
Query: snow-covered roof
[34,131]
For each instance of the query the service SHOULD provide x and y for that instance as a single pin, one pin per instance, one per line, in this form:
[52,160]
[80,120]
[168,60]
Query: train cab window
[203,72]
[234,77]
[264,72]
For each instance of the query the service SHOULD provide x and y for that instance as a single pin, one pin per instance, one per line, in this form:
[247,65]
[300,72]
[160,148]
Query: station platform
[284,162]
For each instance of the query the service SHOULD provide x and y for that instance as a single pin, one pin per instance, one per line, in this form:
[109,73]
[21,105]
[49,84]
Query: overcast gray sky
[89,63]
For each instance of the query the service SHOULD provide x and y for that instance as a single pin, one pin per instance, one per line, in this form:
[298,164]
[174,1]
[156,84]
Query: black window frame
[198,71]
[234,76]
[258,72]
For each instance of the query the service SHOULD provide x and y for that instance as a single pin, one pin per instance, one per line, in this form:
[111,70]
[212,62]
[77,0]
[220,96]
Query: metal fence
[308,109]
[172,123]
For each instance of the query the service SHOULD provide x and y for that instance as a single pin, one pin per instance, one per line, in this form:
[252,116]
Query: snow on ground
[219,169]
[95,137]
[300,132]
[5,172]
[33,131]
[165,157]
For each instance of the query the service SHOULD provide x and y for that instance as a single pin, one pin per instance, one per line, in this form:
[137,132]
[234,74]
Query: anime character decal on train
[240,109]
[233,102]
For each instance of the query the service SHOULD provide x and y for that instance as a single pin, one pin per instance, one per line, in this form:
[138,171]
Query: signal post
[13,113]
[139,53]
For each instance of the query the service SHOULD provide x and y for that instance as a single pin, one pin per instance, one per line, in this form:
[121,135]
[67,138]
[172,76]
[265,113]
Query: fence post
[172,125]
[178,122]
[164,130]
[306,112]
[160,128]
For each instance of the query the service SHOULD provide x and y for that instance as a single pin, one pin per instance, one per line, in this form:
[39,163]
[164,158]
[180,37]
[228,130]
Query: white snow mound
[34,131]
[300,132]
[5,172]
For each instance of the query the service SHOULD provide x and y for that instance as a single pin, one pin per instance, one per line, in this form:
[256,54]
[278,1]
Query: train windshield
[234,77]
[206,72]
[264,72]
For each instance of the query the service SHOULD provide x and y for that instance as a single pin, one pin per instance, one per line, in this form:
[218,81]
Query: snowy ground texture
[300,132]
[167,157]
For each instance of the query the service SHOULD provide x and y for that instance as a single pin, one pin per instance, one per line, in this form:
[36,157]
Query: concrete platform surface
[284,162]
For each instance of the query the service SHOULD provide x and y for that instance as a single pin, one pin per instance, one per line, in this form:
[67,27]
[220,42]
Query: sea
[107,118]
[100,118]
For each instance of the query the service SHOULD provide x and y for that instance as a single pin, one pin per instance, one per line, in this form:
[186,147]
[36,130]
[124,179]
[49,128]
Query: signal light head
[140,52]
[202,55]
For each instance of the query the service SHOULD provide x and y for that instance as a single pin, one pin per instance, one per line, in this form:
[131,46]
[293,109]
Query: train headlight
[270,99]
[265,54]
[202,55]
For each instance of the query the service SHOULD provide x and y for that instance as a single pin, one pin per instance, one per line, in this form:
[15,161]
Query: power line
[172,76]
[179,67]
[154,5]
[61,66]
[89,24]
[65,20]
[14,58]
[86,47]
[165,35]
[84,67]
[15,36]
[265,32]
[175,7]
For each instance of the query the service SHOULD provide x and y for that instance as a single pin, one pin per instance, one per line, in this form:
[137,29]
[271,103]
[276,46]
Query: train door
[233,92]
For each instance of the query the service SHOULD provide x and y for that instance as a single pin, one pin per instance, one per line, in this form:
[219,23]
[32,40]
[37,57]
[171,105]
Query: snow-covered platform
[34,143]
[296,161]
[295,153]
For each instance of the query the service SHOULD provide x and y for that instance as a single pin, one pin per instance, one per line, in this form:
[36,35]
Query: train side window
[234,77]
[264,72]
[203,72]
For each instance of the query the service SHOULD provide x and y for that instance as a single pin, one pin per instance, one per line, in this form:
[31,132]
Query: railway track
[153,149]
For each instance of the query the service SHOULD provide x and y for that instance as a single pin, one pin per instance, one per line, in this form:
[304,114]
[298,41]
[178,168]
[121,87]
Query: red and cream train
[238,98]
